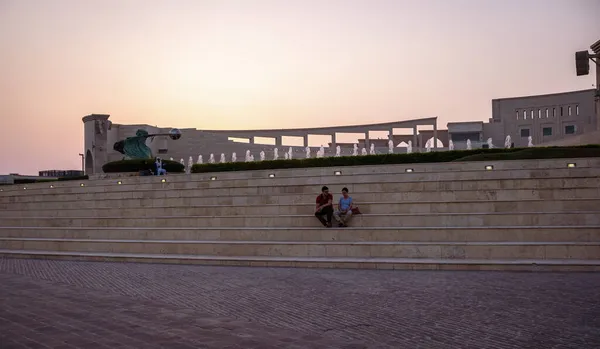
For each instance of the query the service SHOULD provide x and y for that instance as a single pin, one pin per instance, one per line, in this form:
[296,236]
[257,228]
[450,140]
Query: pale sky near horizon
[246,64]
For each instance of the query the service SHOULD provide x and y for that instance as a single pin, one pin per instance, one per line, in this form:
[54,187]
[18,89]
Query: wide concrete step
[136,200]
[553,265]
[309,220]
[364,249]
[374,174]
[568,205]
[91,192]
[417,234]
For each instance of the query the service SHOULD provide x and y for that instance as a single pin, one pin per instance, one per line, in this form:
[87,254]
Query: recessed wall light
[271,175]
[51,186]
[489,167]
[119,182]
[571,165]
[337,173]
[213,178]
[24,188]
[409,170]
[81,185]
[163,180]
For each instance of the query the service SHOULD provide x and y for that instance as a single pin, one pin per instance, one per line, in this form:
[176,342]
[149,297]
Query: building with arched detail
[101,134]
[545,118]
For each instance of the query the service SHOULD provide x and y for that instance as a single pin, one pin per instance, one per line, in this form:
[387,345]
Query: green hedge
[588,151]
[137,165]
[74,178]
[46,180]
[33,180]
[413,158]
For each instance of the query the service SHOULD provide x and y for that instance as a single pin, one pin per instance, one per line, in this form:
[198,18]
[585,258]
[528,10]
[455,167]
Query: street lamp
[582,67]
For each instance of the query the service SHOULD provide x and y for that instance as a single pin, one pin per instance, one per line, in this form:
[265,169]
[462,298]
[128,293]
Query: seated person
[344,211]
[159,169]
[324,207]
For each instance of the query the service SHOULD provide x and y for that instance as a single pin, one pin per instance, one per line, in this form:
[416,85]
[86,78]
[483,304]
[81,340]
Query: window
[576,110]
[517,115]
[561,111]
[547,131]
[463,137]
[531,113]
[524,114]
[524,132]
[546,113]
[553,112]
[569,129]
[539,113]
[569,110]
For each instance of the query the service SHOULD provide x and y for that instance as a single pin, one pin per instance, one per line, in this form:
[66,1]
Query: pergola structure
[331,131]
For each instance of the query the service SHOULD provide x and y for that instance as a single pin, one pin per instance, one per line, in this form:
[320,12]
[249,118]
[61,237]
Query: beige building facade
[101,135]
[545,118]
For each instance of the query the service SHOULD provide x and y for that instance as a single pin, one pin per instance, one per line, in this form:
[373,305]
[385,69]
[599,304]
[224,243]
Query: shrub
[539,153]
[413,158]
[137,165]
[74,178]
[33,180]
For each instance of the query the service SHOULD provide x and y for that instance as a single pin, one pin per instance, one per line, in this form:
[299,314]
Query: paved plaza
[68,304]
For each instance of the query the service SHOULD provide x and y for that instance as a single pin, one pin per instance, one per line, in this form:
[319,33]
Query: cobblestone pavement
[56,304]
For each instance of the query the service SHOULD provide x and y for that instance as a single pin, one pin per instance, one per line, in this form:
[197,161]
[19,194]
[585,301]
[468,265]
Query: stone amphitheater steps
[523,215]
[419,169]
[210,188]
[363,220]
[382,234]
[401,180]
[480,206]
[136,199]
[335,249]
[324,262]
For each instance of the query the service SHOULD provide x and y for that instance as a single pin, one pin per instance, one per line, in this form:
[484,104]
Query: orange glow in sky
[224,64]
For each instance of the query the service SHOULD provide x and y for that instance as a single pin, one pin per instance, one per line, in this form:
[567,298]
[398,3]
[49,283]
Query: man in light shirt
[344,211]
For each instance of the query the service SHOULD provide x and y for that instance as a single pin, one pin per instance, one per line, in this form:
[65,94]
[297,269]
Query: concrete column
[367,142]
[598,92]
[333,140]
[279,141]
[95,127]
[306,140]
[391,134]
[415,138]
[252,140]
[435,136]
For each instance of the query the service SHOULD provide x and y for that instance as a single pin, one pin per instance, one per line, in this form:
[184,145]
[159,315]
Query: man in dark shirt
[324,207]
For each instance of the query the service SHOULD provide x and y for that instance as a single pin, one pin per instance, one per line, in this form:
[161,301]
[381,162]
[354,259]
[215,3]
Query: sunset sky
[224,64]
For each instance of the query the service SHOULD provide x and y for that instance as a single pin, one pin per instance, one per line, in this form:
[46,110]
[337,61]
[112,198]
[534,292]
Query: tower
[95,134]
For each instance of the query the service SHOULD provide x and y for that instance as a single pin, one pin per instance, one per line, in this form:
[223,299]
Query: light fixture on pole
[582,67]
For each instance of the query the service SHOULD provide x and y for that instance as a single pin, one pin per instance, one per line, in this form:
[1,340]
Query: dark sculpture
[136,148]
